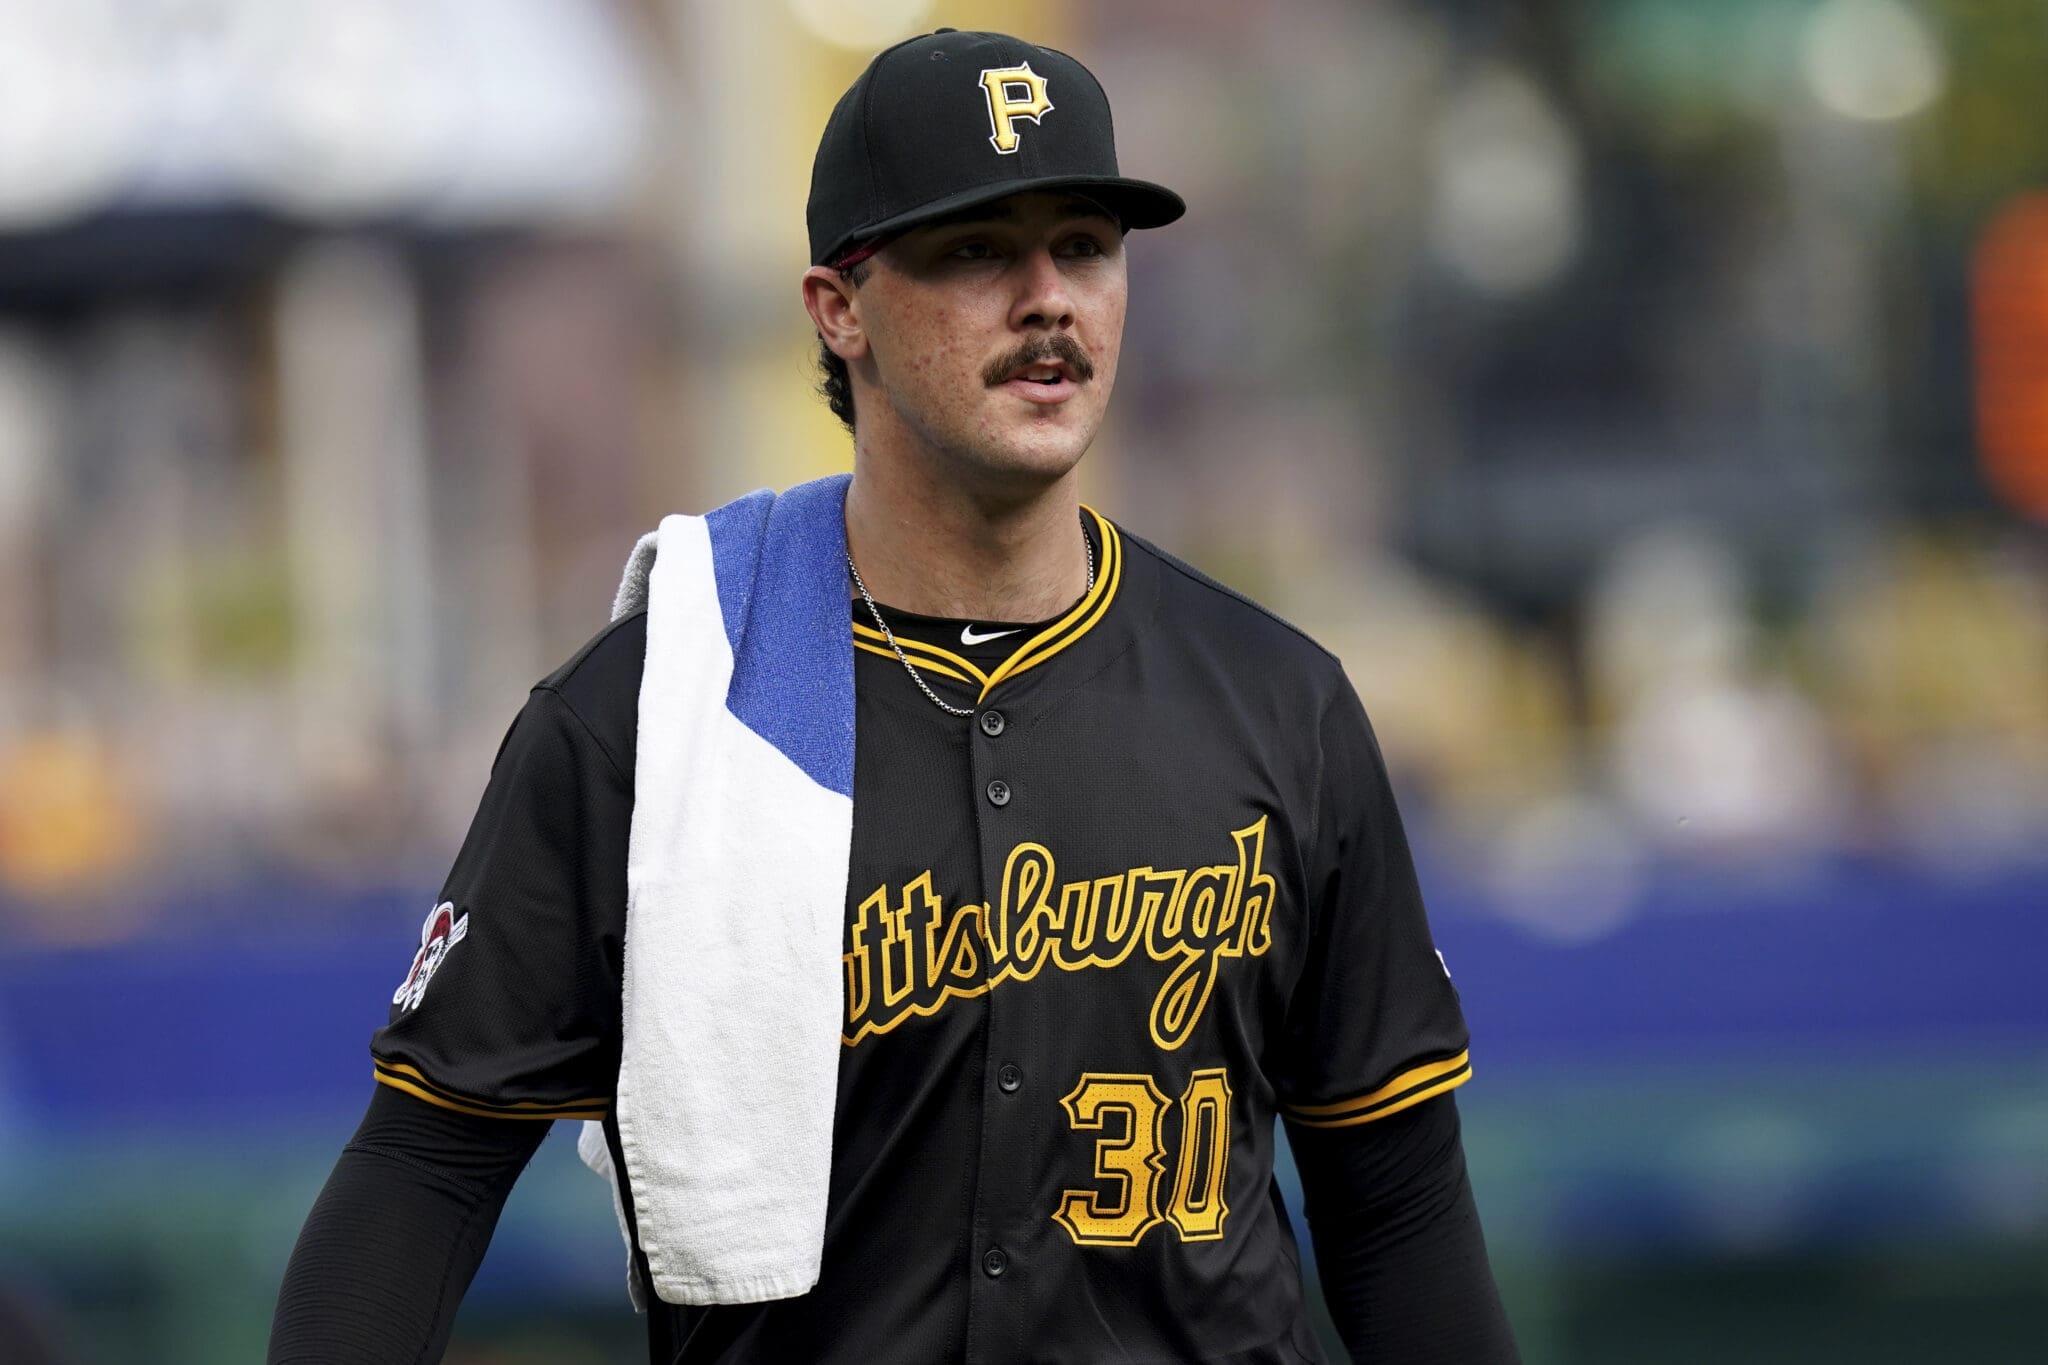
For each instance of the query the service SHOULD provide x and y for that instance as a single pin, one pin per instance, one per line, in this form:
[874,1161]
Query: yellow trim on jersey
[1411,1087]
[399,1076]
[967,667]
[923,655]
[1078,621]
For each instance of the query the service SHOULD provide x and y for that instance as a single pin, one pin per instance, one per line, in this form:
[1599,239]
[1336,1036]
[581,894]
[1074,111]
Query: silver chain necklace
[904,659]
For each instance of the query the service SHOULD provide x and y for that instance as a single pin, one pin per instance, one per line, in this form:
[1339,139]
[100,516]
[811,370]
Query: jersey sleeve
[1374,1025]
[510,1007]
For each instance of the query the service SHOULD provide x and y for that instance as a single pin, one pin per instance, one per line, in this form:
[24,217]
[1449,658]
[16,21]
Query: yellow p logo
[1014,92]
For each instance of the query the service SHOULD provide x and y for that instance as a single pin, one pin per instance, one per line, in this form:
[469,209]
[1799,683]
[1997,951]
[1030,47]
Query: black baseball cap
[950,120]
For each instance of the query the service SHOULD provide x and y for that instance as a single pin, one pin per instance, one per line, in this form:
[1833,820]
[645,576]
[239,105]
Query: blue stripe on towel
[792,676]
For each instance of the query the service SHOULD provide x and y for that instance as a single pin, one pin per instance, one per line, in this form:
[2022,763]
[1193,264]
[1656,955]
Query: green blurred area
[1633,1220]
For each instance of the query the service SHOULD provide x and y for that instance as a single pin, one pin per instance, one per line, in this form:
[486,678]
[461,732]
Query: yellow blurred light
[1872,60]
[864,24]
[68,818]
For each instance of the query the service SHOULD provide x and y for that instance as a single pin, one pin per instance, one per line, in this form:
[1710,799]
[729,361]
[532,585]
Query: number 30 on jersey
[1130,1161]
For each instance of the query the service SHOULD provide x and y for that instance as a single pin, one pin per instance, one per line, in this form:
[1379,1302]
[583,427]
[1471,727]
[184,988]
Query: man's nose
[1043,300]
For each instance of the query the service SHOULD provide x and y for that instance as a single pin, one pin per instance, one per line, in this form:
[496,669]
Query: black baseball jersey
[1151,893]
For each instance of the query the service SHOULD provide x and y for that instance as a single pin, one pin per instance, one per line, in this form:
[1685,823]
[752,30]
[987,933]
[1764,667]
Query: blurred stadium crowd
[1648,399]
[1596,378]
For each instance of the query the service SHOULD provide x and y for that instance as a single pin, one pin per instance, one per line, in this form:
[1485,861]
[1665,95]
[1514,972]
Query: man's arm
[397,1234]
[506,1018]
[1398,1244]
[1374,1044]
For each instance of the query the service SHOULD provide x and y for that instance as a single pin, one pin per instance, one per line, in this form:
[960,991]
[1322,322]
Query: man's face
[993,337]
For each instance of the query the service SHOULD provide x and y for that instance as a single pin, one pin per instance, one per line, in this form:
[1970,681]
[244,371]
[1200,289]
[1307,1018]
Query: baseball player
[1126,877]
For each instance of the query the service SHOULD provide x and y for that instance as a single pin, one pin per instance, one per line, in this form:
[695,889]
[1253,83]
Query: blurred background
[1648,399]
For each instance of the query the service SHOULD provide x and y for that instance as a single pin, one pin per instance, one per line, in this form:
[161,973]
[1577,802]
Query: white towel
[736,896]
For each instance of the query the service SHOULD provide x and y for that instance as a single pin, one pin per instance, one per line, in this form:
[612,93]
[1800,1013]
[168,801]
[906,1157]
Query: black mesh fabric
[1398,1243]
[397,1234]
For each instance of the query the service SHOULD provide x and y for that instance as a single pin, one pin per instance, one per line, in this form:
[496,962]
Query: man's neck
[941,550]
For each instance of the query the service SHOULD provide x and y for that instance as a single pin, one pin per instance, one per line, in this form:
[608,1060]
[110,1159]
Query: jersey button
[1009,1078]
[994,1262]
[991,723]
[999,793]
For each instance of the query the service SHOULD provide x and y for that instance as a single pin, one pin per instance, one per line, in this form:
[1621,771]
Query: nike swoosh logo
[968,637]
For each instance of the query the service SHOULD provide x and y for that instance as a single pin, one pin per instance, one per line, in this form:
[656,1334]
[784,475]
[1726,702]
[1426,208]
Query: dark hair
[833,382]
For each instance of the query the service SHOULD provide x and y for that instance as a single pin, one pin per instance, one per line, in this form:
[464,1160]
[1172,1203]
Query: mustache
[1059,346]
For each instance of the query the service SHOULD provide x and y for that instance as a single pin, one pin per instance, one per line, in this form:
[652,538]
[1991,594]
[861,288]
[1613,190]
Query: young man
[1125,877]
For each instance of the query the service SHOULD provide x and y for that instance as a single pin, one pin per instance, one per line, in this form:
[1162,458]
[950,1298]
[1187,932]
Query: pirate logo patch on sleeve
[441,932]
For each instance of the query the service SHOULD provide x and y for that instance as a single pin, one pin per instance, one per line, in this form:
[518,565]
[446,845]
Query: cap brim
[1136,204]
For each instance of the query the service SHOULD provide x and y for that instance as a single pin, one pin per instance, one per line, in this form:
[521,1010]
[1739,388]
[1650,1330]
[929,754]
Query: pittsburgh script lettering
[911,953]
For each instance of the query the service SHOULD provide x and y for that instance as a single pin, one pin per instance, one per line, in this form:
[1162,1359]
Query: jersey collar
[1041,645]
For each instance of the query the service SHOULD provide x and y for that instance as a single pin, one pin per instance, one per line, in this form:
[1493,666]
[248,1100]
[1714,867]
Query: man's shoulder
[1197,606]
[600,682]
[607,660]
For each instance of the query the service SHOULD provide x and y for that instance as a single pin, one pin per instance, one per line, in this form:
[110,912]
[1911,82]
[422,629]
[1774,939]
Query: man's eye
[973,251]
[1085,247]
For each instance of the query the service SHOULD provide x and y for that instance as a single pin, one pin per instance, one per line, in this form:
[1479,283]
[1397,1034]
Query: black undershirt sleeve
[1398,1244]
[395,1237]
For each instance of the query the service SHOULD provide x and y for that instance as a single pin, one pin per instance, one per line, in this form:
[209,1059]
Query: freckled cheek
[1105,353]
[935,364]
[1105,342]
[938,356]
[1105,347]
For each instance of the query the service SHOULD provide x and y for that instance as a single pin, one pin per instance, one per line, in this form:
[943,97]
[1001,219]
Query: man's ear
[835,312]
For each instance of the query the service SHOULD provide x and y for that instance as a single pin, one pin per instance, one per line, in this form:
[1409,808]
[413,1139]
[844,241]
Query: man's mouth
[1041,386]
[1050,371]
[1043,374]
